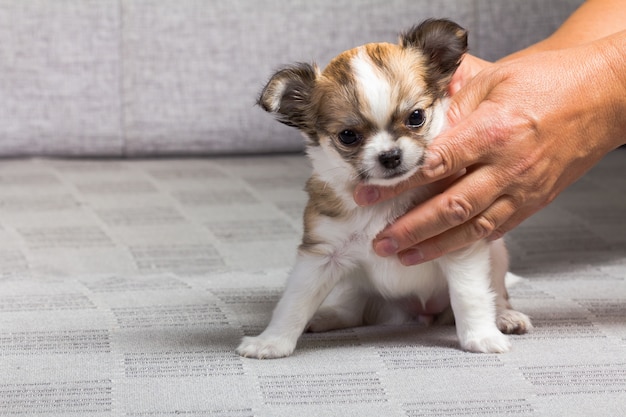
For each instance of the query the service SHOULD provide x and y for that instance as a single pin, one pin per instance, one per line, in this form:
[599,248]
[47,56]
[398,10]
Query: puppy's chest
[352,241]
[345,229]
[357,231]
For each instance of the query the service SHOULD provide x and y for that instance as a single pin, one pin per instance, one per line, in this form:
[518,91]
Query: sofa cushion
[160,77]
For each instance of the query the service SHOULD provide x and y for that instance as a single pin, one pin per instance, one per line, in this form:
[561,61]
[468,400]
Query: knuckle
[504,126]
[499,130]
[499,136]
[448,160]
[497,234]
[503,229]
[482,227]
[455,113]
[527,191]
[528,167]
[458,210]
[441,161]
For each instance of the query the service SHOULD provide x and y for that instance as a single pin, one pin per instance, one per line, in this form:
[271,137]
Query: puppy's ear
[287,95]
[443,42]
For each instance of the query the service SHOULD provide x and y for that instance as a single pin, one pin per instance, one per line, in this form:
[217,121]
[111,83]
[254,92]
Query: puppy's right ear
[287,95]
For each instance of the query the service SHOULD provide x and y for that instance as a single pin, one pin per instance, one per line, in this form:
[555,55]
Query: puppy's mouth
[395,174]
[393,167]
[390,177]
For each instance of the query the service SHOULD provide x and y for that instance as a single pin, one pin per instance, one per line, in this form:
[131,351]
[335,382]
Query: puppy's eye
[349,137]
[416,119]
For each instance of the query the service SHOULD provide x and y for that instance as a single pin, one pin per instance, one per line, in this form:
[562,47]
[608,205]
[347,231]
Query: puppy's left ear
[443,42]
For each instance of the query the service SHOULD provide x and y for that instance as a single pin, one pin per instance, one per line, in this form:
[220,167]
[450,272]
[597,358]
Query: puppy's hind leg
[343,308]
[508,320]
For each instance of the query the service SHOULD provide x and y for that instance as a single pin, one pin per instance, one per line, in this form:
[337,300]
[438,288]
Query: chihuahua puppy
[369,117]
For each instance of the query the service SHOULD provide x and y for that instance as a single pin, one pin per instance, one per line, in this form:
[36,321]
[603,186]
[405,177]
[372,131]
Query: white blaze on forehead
[374,88]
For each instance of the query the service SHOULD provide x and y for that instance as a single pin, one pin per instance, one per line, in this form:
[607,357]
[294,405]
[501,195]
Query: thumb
[470,66]
[468,97]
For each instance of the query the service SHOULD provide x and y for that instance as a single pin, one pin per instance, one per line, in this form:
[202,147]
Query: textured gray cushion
[168,76]
[60,77]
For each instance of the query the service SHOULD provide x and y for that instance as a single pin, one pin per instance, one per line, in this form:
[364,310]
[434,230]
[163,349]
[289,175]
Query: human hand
[524,130]
[469,67]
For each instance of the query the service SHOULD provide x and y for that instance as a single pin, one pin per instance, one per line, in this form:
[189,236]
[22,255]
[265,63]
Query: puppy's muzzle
[390,159]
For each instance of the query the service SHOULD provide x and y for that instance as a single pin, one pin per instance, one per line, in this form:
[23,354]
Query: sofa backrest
[163,77]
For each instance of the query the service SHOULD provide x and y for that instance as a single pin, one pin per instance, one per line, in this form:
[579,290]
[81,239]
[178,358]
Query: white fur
[329,166]
[274,105]
[376,88]
[437,116]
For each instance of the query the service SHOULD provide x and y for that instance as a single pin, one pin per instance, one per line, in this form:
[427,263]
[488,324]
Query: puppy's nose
[390,159]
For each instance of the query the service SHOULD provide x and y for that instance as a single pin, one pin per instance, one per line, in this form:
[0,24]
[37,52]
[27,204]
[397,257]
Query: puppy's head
[374,109]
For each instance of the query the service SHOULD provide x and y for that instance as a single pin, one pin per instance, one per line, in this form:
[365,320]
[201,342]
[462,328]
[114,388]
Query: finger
[486,224]
[468,97]
[455,86]
[469,67]
[466,198]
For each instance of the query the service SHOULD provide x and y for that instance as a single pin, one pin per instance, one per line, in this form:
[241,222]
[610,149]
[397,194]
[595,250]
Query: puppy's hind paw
[513,322]
[264,347]
[486,342]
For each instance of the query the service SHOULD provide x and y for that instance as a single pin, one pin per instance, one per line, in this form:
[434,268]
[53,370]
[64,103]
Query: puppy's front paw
[265,347]
[513,322]
[492,341]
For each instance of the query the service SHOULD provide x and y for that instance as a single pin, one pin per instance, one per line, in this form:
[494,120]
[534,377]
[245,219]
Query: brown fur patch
[323,201]
[443,43]
[335,96]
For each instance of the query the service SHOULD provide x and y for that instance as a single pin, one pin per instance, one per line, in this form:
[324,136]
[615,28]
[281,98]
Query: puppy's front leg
[473,300]
[310,282]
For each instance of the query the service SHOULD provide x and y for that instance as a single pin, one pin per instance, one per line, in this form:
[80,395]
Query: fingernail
[366,195]
[386,247]
[412,257]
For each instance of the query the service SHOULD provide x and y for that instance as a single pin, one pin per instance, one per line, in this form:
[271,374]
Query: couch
[149,215]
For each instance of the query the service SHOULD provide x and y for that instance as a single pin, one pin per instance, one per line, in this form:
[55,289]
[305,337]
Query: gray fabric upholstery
[144,77]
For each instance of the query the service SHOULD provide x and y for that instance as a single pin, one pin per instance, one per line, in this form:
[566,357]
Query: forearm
[612,49]
[594,19]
